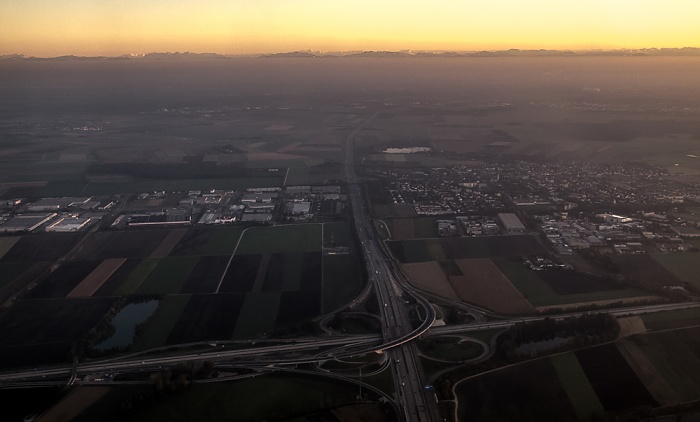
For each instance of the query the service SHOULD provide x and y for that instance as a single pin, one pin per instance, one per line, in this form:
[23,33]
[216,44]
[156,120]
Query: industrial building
[69,224]
[511,223]
[301,208]
[686,231]
[25,222]
[266,197]
[57,204]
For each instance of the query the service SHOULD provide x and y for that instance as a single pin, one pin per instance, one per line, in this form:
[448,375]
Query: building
[511,223]
[686,231]
[56,204]
[25,222]
[69,224]
[259,217]
[300,208]
[257,208]
[266,197]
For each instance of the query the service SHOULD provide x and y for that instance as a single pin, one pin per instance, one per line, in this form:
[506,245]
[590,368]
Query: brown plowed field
[429,276]
[485,285]
[402,229]
[75,403]
[96,278]
[167,245]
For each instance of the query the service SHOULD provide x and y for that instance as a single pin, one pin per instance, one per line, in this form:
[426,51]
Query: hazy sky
[113,27]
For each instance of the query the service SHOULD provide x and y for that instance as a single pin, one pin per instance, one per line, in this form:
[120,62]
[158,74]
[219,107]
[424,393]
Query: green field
[6,243]
[342,280]
[310,176]
[140,273]
[258,315]
[342,274]
[168,276]
[293,265]
[291,238]
[339,233]
[536,291]
[577,386]
[223,241]
[685,266]
[157,329]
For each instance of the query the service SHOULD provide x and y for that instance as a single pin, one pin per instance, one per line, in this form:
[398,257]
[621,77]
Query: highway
[254,356]
[397,328]
[616,312]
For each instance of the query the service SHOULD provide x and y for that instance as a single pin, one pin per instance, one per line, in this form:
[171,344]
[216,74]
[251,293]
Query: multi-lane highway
[398,331]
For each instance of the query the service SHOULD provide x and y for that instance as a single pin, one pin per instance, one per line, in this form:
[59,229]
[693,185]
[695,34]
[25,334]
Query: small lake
[125,323]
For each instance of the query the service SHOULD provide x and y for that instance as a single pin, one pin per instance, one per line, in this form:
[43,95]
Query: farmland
[646,270]
[293,238]
[674,354]
[483,283]
[421,250]
[53,323]
[486,282]
[577,386]
[413,228]
[428,276]
[215,283]
[528,392]
[557,289]
[684,266]
[672,319]
[94,281]
[266,397]
[40,247]
[6,243]
[596,381]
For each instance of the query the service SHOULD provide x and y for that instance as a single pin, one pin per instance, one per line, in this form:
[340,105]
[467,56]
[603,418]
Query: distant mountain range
[686,51]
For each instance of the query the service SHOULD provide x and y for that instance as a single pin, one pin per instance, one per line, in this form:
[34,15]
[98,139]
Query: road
[616,312]
[397,329]
[254,356]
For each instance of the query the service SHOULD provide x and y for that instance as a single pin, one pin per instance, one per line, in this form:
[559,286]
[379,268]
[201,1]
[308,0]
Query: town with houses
[622,207]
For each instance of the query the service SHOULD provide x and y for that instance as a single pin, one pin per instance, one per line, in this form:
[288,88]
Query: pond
[125,323]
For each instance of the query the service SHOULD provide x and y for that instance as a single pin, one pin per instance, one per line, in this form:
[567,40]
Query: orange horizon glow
[106,27]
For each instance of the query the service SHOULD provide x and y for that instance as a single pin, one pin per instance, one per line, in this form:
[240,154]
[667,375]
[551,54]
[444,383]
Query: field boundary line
[323,258]
[228,264]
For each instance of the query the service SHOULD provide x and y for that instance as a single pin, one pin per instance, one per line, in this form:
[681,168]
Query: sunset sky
[113,27]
